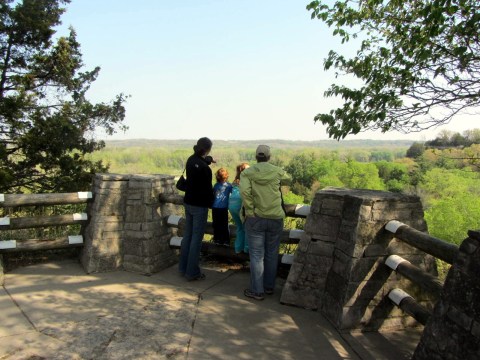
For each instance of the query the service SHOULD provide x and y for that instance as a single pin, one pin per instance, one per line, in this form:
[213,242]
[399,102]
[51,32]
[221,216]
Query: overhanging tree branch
[418,59]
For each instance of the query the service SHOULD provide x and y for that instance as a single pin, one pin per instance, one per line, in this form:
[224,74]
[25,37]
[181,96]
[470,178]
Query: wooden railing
[288,236]
[15,223]
[427,282]
[292,210]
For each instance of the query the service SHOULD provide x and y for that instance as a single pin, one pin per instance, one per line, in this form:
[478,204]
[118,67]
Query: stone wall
[453,332]
[127,229]
[339,264]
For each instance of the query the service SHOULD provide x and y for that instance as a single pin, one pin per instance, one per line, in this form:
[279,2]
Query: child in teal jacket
[235,208]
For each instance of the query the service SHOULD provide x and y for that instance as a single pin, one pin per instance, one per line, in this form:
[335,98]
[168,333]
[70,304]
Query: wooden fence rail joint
[8,244]
[393,226]
[75,239]
[80,217]
[423,241]
[174,220]
[85,195]
[394,260]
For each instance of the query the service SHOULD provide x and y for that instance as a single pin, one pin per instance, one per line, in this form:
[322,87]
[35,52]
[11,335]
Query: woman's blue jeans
[195,223]
[263,236]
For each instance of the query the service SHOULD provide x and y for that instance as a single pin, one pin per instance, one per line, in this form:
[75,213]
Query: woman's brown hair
[240,168]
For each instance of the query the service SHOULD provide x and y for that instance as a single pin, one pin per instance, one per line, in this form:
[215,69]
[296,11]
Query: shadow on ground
[56,311]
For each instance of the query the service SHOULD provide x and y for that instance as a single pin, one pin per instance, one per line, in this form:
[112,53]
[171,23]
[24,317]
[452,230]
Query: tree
[452,202]
[419,63]
[472,136]
[415,150]
[394,175]
[46,122]
[303,169]
[355,175]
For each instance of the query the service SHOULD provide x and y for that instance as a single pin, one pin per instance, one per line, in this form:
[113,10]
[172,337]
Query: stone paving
[56,311]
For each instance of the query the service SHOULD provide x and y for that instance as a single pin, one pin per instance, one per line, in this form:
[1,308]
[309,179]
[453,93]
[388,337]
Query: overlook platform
[56,311]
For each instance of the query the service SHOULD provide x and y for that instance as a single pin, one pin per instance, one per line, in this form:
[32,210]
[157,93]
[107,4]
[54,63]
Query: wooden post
[425,280]
[287,237]
[2,275]
[44,244]
[175,199]
[409,305]
[228,252]
[292,210]
[41,221]
[12,200]
[429,244]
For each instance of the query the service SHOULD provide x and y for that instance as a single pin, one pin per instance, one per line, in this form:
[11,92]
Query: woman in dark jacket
[198,198]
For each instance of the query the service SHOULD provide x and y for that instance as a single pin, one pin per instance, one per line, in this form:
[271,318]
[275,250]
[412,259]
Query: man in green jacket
[262,200]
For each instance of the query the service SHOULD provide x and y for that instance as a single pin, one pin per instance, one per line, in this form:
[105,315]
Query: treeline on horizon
[275,143]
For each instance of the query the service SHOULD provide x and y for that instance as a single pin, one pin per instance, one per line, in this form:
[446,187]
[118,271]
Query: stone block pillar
[146,239]
[339,264]
[126,229]
[453,331]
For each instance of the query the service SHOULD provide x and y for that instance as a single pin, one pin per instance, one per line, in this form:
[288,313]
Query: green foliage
[355,175]
[467,158]
[381,155]
[303,169]
[394,175]
[416,150]
[46,121]
[450,218]
[417,62]
[292,198]
[452,202]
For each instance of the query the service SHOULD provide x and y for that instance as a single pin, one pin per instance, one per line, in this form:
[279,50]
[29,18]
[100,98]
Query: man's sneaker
[269,291]
[253,295]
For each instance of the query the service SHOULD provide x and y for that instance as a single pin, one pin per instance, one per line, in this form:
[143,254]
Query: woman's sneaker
[253,295]
[269,291]
[199,277]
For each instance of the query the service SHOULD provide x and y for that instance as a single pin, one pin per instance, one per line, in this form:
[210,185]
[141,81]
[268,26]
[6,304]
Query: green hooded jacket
[260,190]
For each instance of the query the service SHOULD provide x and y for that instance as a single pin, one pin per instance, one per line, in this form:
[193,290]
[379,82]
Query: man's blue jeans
[263,236]
[196,221]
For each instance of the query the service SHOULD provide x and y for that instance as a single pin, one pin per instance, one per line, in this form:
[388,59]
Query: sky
[229,70]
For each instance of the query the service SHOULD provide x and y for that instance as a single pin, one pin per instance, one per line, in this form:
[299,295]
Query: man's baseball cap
[263,151]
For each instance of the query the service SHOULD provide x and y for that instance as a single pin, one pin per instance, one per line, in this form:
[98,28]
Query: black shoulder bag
[182,182]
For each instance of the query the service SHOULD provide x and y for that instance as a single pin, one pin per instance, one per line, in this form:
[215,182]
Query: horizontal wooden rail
[40,244]
[297,210]
[292,210]
[227,252]
[12,200]
[8,223]
[287,237]
[429,244]
[408,304]
[175,199]
[423,279]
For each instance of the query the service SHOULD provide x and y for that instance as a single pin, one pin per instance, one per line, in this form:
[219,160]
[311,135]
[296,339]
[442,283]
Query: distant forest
[280,144]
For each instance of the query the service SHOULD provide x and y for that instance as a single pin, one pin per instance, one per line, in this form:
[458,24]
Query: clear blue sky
[225,69]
